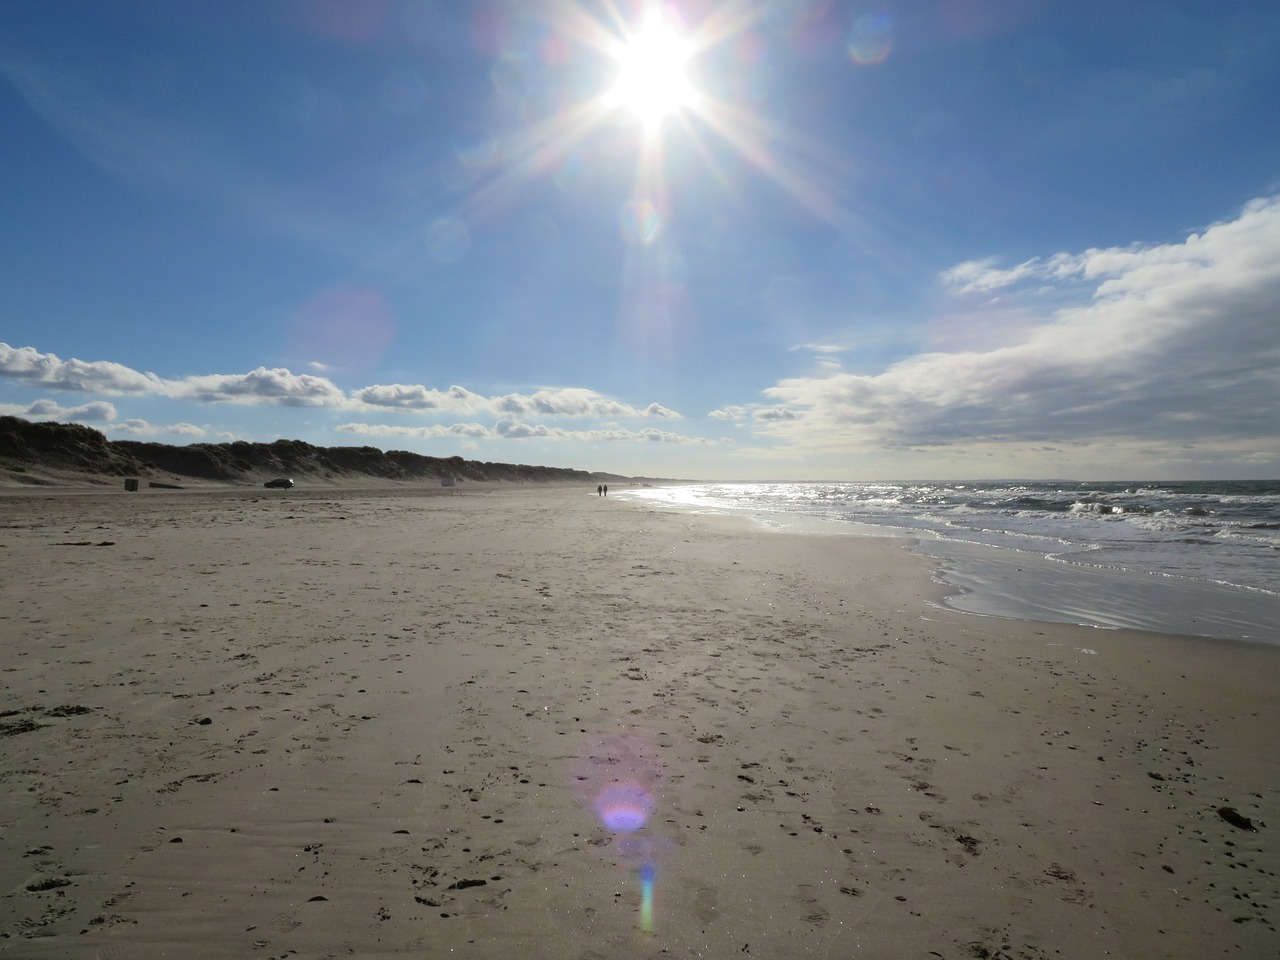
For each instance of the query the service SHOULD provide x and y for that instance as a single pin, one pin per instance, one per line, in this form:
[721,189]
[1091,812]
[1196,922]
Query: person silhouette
[599,490]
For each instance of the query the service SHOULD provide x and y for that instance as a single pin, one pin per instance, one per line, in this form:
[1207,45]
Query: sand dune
[48,454]
[377,724]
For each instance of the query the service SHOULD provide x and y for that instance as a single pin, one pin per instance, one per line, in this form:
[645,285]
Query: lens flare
[571,174]
[618,776]
[646,898]
[447,240]
[624,807]
[871,39]
[639,221]
[344,328]
[696,77]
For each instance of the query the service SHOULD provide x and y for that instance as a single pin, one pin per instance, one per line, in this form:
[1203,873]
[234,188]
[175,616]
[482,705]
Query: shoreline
[1004,582]
[999,582]
[366,718]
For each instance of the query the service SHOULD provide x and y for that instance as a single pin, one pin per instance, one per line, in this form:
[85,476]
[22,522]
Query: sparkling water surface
[1184,557]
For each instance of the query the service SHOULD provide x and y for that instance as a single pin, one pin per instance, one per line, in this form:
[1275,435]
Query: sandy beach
[530,720]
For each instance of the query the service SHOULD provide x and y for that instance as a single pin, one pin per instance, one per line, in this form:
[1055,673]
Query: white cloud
[573,402]
[775,414]
[821,348]
[30,367]
[547,402]
[277,385]
[142,428]
[729,413]
[517,430]
[983,275]
[27,365]
[97,412]
[1137,266]
[476,430]
[653,435]
[1171,343]
[511,429]
[417,398]
[283,387]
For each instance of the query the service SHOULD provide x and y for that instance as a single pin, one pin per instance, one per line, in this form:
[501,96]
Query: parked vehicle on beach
[284,482]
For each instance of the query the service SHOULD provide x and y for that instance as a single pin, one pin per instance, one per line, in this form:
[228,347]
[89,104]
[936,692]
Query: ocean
[1200,558]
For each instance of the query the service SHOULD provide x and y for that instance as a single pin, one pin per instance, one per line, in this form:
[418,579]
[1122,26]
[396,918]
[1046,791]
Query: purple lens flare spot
[624,807]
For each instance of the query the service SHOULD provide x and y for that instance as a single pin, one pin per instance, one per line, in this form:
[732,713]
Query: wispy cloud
[1137,266]
[1170,343]
[982,276]
[152,148]
[135,147]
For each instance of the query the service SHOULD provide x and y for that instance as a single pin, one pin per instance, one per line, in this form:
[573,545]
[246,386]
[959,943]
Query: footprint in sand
[705,904]
[817,917]
[285,923]
[813,912]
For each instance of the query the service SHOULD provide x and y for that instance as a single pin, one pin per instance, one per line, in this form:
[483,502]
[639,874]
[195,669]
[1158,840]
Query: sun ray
[726,21]
[654,80]
[803,180]
[551,138]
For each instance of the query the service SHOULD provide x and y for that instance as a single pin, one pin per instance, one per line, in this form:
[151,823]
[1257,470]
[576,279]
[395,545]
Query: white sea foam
[1181,557]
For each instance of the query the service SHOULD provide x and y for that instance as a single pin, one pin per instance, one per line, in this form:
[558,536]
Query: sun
[652,83]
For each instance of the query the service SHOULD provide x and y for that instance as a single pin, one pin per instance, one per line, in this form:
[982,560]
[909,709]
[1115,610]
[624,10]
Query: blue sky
[922,239]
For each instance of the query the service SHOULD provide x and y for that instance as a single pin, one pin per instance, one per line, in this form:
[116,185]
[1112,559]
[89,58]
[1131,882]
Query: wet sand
[370,723]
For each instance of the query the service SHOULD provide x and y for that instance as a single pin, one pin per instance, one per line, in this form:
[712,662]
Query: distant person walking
[599,490]
[606,489]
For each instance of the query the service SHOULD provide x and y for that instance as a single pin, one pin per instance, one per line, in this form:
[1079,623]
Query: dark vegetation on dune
[41,453]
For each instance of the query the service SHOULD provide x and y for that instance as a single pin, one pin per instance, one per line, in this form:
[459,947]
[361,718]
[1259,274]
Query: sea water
[1197,558]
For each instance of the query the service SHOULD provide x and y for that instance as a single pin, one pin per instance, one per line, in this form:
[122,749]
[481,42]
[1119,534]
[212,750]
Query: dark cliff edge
[58,454]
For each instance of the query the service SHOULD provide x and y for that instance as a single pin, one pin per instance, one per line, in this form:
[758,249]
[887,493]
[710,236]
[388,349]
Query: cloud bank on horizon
[440,234]
[1165,344]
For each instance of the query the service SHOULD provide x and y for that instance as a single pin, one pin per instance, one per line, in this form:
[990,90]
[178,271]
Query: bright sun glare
[651,78]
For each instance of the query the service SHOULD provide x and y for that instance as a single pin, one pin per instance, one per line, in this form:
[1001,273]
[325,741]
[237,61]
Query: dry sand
[368,723]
